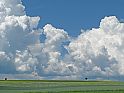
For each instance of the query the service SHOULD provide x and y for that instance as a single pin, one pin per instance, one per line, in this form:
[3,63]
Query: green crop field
[56,86]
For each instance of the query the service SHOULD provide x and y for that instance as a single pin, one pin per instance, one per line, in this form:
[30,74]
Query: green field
[56,86]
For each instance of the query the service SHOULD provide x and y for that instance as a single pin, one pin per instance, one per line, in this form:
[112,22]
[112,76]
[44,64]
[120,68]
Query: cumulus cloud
[96,53]
[100,50]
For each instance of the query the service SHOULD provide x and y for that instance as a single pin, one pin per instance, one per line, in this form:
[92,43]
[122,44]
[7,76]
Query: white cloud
[100,50]
[94,53]
[12,7]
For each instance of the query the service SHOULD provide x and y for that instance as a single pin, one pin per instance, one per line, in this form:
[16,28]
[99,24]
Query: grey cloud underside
[96,53]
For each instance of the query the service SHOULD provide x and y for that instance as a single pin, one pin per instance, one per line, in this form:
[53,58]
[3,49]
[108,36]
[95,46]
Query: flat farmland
[60,86]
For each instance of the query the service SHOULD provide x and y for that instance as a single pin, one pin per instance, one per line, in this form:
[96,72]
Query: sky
[74,15]
[60,39]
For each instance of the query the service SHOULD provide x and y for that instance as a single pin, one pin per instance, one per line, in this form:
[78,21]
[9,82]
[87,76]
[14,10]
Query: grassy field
[56,86]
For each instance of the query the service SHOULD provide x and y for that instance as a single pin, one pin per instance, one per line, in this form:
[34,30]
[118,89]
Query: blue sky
[60,56]
[72,15]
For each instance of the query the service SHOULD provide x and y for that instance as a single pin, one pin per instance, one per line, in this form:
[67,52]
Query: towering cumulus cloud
[16,33]
[96,53]
[100,51]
